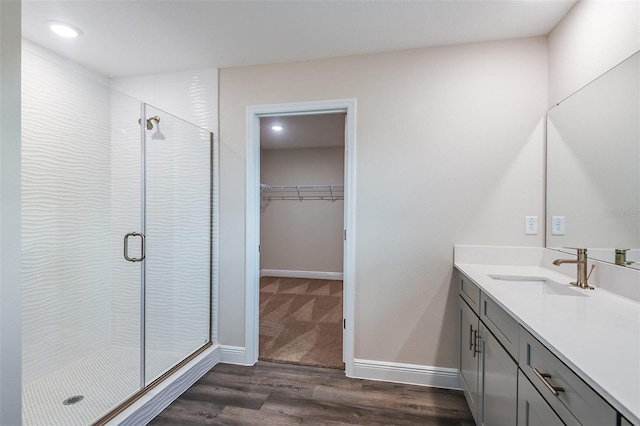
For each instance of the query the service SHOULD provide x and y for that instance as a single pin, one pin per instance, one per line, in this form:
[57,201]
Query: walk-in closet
[301,239]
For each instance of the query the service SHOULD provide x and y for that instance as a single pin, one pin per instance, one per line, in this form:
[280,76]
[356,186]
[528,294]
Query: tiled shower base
[105,378]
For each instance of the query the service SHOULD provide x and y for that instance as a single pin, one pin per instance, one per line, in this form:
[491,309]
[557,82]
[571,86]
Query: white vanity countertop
[597,336]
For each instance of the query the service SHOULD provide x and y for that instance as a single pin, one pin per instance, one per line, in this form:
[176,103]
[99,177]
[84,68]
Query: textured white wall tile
[126,200]
[66,216]
[189,95]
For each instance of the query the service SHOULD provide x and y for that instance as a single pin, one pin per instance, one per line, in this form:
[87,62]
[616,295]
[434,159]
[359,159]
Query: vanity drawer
[469,291]
[577,403]
[503,326]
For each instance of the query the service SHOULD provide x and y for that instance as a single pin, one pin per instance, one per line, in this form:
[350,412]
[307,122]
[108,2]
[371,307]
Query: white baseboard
[315,275]
[157,399]
[233,355]
[413,374]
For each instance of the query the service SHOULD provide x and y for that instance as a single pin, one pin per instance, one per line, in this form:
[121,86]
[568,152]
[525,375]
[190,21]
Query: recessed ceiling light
[63,29]
[277,128]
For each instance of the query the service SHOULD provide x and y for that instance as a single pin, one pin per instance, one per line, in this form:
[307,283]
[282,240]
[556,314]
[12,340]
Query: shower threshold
[93,378]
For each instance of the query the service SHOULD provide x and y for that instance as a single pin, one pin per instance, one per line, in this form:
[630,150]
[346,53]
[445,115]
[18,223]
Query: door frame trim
[252,217]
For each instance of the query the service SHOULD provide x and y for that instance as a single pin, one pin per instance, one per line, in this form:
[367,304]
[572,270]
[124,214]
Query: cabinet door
[624,422]
[468,356]
[499,382]
[533,410]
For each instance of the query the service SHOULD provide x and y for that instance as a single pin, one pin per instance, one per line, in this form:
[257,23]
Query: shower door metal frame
[143,226]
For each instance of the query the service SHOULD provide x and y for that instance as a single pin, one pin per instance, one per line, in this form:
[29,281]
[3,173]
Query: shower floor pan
[103,379]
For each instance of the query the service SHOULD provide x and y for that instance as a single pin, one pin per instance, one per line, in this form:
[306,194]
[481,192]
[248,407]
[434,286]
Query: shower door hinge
[344,323]
[345,235]
[258,248]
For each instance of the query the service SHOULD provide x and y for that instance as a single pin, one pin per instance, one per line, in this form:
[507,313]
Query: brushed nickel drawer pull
[471,337]
[542,376]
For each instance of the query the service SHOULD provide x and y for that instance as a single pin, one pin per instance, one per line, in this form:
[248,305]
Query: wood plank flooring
[280,394]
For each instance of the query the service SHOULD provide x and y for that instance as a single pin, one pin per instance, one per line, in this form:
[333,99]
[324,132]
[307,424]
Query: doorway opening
[301,239]
[282,182]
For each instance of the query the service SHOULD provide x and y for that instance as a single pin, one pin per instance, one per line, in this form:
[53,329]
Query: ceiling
[135,37]
[303,131]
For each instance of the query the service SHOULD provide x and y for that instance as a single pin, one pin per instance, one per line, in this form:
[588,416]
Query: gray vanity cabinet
[488,374]
[510,378]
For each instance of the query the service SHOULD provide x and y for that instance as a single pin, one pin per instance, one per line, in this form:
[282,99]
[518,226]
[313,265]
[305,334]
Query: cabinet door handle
[471,337]
[543,377]
[475,342]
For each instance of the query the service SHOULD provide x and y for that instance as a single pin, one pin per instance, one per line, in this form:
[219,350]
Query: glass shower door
[178,237]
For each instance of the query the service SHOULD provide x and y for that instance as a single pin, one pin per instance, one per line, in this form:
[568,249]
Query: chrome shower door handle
[126,247]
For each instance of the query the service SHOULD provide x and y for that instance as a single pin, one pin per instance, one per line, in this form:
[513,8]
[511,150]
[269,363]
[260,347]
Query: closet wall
[301,235]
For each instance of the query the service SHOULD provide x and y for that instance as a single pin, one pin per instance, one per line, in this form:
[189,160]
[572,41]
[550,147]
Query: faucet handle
[593,266]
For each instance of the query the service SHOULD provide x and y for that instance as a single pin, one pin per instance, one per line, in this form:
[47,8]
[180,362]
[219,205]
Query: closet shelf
[303,192]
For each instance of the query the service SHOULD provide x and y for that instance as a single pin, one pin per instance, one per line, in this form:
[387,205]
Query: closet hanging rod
[303,198]
[264,186]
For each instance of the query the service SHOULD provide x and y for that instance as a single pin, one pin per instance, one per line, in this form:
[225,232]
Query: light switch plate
[531,225]
[557,225]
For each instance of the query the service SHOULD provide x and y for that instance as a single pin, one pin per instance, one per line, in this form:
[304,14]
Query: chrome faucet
[581,262]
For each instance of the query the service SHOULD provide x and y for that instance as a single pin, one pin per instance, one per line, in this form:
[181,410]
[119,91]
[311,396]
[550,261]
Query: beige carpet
[301,321]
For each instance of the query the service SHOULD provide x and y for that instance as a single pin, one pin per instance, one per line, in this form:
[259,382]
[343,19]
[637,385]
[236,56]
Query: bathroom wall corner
[10,213]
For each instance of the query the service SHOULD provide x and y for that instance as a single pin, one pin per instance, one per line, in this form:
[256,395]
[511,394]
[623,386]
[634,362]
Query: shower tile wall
[66,217]
[126,163]
[190,95]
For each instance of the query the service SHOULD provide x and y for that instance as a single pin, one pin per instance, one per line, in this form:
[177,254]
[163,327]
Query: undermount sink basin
[538,285]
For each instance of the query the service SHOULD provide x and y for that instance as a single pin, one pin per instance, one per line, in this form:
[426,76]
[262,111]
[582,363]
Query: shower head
[150,121]
[158,134]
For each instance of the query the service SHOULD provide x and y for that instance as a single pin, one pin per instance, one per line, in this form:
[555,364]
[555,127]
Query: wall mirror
[593,168]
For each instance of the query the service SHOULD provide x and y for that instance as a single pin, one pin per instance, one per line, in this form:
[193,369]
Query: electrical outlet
[557,225]
[531,225]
